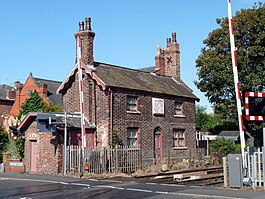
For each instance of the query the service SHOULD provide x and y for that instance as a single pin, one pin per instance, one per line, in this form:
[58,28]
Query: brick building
[151,107]
[45,88]
[7,99]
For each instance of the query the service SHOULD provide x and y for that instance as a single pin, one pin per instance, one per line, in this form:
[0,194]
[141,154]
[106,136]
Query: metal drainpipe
[65,142]
[111,110]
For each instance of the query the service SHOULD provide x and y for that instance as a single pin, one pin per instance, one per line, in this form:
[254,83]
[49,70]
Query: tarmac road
[25,186]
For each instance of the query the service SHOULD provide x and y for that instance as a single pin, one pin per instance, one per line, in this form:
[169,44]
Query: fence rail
[255,167]
[104,160]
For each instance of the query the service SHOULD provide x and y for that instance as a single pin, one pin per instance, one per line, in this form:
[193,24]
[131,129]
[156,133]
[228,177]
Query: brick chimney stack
[18,87]
[43,89]
[171,56]
[11,93]
[87,40]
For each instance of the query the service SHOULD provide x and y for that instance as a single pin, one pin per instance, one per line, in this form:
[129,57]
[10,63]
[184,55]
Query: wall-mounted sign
[157,106]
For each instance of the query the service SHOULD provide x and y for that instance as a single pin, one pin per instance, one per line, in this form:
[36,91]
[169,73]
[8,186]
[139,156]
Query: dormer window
[132,104]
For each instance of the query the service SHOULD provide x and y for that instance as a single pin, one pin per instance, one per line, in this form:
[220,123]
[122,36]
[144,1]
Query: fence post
[225,171]
[116,159]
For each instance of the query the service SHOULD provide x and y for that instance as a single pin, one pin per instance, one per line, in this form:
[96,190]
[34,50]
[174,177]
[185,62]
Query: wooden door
[158,145]
[33,156]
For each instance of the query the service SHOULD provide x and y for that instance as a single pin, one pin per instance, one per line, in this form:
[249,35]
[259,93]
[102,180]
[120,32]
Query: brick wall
[5,107]
[146,122]
[49,151]
[97,106]
[23,94]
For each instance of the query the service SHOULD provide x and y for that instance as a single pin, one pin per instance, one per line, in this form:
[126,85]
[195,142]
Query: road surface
[25,186]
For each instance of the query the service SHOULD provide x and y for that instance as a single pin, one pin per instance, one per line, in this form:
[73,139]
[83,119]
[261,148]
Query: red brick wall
[97,106]
[146,122]
[50,151]
[21,97]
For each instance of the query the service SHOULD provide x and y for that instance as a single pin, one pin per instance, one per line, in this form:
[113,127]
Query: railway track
[211,176]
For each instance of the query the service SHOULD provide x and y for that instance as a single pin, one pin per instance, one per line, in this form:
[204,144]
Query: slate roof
[3,91]
[52,88]
[115,76]
[229,133]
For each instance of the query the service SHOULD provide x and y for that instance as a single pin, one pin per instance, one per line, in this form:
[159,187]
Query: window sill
[180,148]
[134,112]
[180,116]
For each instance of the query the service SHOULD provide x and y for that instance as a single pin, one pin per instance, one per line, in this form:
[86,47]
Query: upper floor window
[178,108]
[132,136]
[132,103]
[179,138]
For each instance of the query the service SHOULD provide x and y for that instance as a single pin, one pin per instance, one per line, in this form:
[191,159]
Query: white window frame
[130,137]
[178,110]
[128,104]
[179,138]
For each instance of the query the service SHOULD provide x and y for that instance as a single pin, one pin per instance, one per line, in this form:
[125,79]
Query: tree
[33,104]
[214,66]
[3,142]
[212,122]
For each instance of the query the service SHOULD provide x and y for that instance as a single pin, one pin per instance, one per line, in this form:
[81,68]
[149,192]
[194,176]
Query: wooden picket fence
[104,160]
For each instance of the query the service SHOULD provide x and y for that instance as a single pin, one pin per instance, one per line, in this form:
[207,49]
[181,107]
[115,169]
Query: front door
[33,156]
[158,145]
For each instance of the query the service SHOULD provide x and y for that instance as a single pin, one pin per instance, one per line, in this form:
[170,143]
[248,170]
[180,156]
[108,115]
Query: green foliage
[20,143]
[212,122]
[115,137]
[3,142]
[54,108]
[214,65]
[224,147]
[33,104]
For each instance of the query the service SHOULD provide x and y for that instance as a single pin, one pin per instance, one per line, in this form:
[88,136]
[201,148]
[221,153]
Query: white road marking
[110,187]
[79,184]
[3,178]
[151,183]
[141,190]
[66,183]
[173,185]
[161,192]
[93,180]
[115,181]
[34,180]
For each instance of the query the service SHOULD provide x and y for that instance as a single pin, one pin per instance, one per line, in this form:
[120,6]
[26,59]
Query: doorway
[33,156]
[158,145]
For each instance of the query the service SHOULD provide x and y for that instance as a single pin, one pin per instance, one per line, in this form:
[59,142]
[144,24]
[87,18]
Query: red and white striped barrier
[81,92]
[235,72]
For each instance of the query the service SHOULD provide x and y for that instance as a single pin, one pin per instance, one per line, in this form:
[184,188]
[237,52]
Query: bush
[3,143]
[224,147]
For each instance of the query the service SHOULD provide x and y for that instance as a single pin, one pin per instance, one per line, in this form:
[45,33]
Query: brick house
[151,107]
[7,99]
[45,88]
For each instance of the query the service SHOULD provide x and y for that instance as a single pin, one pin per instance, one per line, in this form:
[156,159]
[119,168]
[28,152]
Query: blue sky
[38,35]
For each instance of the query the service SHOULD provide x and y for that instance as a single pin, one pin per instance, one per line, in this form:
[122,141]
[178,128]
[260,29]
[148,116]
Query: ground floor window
[179,138]
[132,136]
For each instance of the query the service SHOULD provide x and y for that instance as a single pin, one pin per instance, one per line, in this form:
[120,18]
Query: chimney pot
[88,23]
[174,38]
[168,41]
[81,26]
